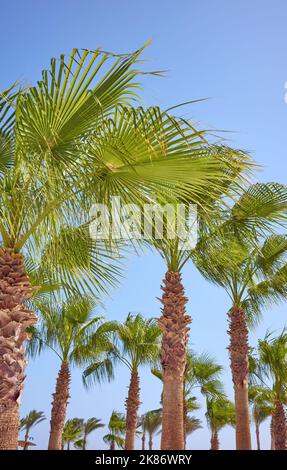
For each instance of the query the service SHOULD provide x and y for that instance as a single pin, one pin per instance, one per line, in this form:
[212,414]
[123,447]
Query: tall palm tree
[151,422]
[253,274]
[117,429]
[88,427]
[138,340]
[67,328]
[28,422]
[72,432]
[175,323]
[272,366]
[66,142]
[220,412]
[262,401]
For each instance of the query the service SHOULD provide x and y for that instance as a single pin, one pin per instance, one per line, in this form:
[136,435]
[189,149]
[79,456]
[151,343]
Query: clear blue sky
[232,52]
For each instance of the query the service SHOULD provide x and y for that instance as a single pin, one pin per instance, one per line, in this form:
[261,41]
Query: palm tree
[150,422]
[28,422]
[175,325]
[72,432]
[272,365]
[138,346]
[66,142]
[117,429]
[262,407]
[88,427]
[192,424]
[253,274]
[67,328]
[220,412]
[202,372]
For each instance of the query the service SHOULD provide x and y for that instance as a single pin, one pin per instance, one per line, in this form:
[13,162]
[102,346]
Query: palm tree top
[151,420]
[33,418]
[72,330]
[272,365]
[136,343]
[220,412]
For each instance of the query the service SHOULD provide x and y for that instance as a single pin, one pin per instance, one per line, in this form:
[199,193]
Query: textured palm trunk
[143,441]
[112,446]
[238,350]
[184,417]
[59,407]
[257,430]
[132,407]
[279,427]
[174,326]
[150,443]
[15,289]
[272,444]
[214,441]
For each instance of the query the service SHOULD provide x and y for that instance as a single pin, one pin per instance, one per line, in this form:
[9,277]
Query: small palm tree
[272,366]
[67,328]
[202,373]
[192,424]
[220,412]
[138,340]
[117,429]
[262,400]
[29,422]
[72,432]
[150,422]
[88,427]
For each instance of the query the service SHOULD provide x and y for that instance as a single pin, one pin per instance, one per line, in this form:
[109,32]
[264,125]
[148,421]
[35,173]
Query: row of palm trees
[74,139]
[135,343]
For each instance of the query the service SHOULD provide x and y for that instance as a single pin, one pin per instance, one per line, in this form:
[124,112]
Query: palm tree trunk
[143,441]
[238,350]
[184,418]
[112,446]
[84,441]
[9,425]
[174,326]
[59,407]
[15,288]
[26,439]
[68,446]
[132,406]
[272,444]
[150,443]
[257,435]
[214,441]
[279,424]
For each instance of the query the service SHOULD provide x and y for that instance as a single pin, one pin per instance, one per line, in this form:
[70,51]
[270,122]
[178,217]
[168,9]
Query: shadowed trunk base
[279,427]
[214,441]
[9,425]
[174,326]
[238,351]
[59,407]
